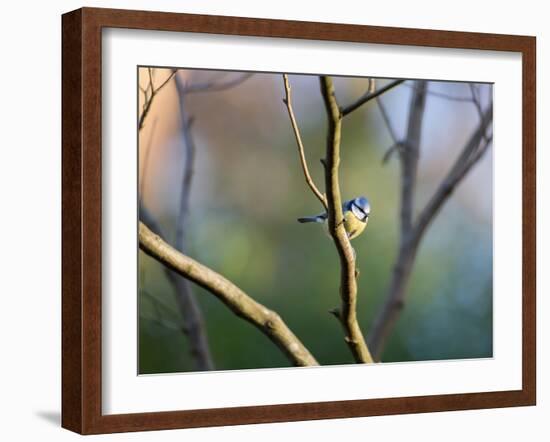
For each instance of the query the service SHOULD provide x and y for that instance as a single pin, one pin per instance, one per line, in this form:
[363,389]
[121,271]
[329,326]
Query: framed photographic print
[269,220]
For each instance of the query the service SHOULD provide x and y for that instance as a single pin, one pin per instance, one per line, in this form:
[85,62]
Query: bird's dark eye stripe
[361,210]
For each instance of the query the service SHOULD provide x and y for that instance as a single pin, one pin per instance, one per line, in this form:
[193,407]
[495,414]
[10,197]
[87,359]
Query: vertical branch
[185,297]
[347,314]
[409,157]
[145,168]
[409,154]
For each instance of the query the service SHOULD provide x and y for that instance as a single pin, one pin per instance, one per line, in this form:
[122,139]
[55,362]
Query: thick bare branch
[369,96]
[288,101]
[267,321]
[347,314]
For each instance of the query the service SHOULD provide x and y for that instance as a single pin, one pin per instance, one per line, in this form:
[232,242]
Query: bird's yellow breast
[354,226]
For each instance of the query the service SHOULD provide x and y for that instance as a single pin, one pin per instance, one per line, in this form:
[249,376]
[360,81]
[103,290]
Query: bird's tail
[312,219]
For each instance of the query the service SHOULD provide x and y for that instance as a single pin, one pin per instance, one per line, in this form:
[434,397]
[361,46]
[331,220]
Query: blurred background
[248,189]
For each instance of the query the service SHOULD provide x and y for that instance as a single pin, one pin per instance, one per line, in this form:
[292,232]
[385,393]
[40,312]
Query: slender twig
[347,314]
[369,96]
[443,95]
[397,144]
[217,86]
[265,320]
[145,168]
[288,101]
[477,103]
[387,121]
[371,85]
[148,100]
[165,307]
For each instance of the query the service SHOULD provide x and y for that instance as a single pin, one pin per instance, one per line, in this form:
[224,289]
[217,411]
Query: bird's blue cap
[360,206]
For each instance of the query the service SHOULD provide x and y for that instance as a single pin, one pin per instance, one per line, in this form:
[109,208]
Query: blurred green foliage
[247,194]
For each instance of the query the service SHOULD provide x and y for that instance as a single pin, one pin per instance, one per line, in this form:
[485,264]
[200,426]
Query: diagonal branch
[288,101]
[267,321]
[473,150]
[217,86]
[369,96]
[348,283]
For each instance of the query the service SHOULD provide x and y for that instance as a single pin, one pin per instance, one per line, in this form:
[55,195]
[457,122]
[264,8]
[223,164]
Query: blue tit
[356,216]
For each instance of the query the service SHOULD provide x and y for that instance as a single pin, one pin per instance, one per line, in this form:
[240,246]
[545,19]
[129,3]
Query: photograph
[299,220]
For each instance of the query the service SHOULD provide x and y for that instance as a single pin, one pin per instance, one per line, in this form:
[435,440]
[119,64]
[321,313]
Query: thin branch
[387,121]
[145,168]
[477,103]
[369,96]
[397,144]
[148,101]
[217,86]
[371,85]
[348,273]
[189,154]
[288,101]
[160,304]
[443,95]
[265,320]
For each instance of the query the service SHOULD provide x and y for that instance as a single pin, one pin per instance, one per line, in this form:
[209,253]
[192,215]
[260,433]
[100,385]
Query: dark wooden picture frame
[81,217]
